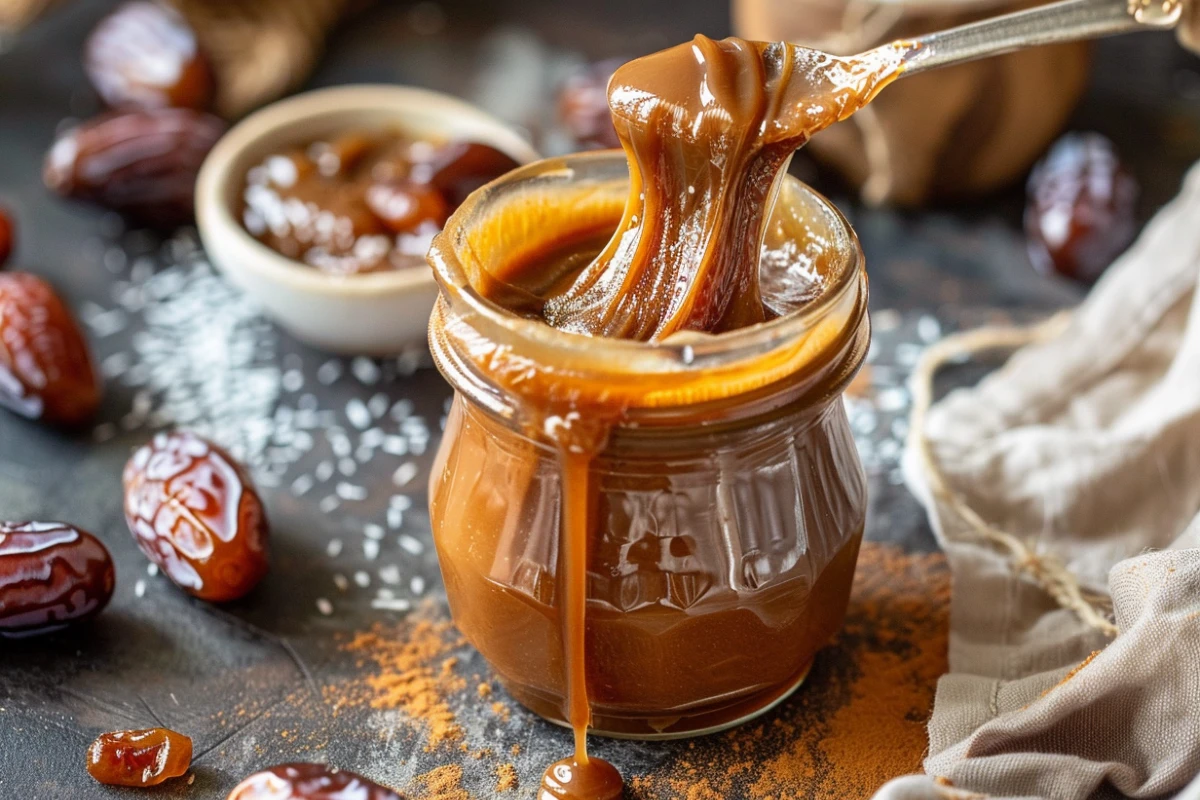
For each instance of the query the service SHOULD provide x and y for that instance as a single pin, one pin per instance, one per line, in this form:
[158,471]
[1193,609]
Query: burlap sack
[261,49]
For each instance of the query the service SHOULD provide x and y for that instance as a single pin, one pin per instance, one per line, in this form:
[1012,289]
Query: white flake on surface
[181,347]
[200,354]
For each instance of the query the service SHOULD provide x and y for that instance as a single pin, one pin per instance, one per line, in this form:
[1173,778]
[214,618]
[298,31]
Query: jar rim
[680,355]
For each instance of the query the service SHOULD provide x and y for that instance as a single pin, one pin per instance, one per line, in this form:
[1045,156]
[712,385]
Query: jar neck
[576,388]
[465,356]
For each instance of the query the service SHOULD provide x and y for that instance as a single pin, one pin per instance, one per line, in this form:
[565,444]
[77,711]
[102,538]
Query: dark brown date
[459,168]
[309,782]
[404,207]
[7,236]
[142,164]
[45,370]
[583,106]
[193,512]
[145,55]
[1081,206]
[346,153]
[139,758]
[51,575]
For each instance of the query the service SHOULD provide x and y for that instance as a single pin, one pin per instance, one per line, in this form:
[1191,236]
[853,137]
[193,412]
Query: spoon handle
[1065,21]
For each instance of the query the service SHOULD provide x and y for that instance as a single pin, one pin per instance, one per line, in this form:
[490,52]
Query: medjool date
[145,55]
[309,782]
[195,514]
[142,164]
[46,372]
[51,575]
[6,236]
[1080,211]
[459,168]
[139,758]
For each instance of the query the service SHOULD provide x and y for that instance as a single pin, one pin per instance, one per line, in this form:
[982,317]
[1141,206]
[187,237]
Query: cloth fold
[1086,447]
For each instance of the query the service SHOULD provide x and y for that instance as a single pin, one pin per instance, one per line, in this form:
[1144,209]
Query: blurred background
[957,146]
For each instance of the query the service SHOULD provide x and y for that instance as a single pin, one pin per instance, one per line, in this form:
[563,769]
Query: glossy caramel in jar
[673,646]
[721,545]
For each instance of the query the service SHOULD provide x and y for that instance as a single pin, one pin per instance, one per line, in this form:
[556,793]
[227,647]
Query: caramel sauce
[708,128]
[587,779]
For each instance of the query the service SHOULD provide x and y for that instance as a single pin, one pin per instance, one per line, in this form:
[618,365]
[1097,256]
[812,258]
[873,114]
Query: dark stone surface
[237,677]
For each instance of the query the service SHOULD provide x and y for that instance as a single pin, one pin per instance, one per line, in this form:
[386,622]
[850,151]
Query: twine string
[1046,570]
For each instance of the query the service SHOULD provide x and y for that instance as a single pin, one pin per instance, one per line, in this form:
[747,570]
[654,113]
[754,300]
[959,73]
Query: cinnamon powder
[858,721]
[414,674]
[443,783]
[1066,678]
[501,710]
[506,778]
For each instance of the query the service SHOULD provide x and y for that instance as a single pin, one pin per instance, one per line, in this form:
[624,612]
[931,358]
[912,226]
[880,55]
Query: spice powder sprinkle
[857,722]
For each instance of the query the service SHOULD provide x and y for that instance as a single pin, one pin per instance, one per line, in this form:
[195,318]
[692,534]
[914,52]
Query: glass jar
[725,507]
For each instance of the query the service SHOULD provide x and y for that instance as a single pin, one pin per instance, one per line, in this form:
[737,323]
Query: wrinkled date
[405,207]
[1080,211]
[583,105]
[459,168]
[309,782]
[145,55]
[195,514]
[142,164]
[7,236]
[51,575]
[139,758]
[45,370]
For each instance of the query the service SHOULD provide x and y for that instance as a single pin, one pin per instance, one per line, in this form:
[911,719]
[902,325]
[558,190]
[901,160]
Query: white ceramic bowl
[378,313]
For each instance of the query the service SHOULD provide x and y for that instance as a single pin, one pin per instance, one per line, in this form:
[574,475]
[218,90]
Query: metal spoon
[1069,20]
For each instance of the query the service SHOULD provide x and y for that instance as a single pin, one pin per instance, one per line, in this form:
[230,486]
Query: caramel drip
[571,779]
[708,128]
[579,777]
[573,591]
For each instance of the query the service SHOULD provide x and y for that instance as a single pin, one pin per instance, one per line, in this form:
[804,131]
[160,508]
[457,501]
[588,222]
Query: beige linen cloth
[1084,448]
